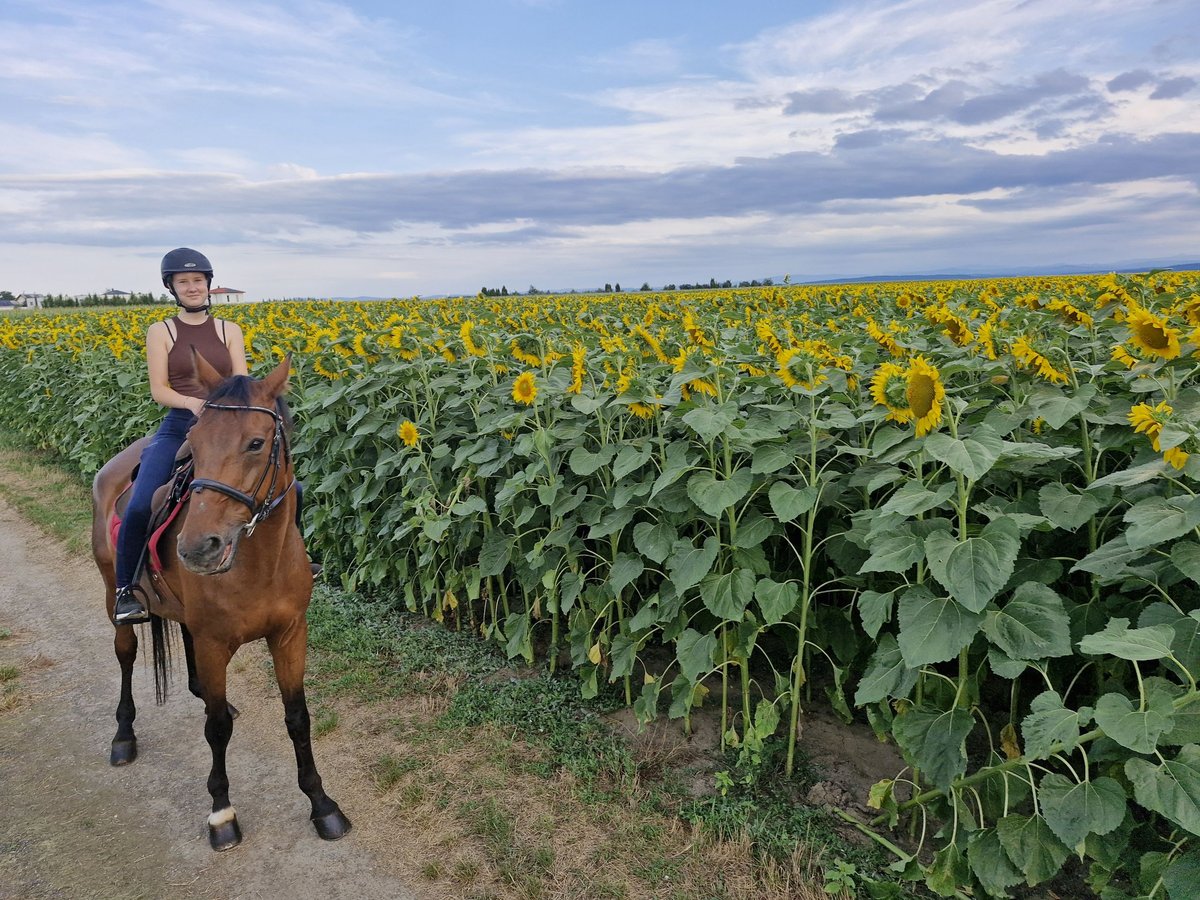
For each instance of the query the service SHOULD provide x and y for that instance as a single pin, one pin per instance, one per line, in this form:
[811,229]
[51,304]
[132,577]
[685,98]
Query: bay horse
[239,573]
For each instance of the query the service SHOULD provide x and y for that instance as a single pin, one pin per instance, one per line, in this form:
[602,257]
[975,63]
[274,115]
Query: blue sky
[385,149]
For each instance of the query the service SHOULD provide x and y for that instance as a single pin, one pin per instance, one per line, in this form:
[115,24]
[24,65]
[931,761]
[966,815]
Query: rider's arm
[158,345]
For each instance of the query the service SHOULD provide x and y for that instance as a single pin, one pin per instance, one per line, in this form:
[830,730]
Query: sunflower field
[964,512]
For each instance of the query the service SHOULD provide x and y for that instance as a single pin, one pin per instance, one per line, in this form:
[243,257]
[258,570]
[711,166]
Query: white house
[30,300]
[112,295]
[227,295]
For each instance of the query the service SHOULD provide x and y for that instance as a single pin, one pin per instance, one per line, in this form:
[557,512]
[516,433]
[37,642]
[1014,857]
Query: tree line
[615,288]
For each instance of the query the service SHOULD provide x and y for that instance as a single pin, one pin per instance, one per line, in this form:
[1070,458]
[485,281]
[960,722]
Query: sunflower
[469,344]
[408,433]
[888,389]
[1123,356]
[883,339]
[1190,308]
[578,369]
[1029,358]
[1149,420]
[800,366]
[1072,314]
[642,410]
[525,389]
[924,393]
[1151,335]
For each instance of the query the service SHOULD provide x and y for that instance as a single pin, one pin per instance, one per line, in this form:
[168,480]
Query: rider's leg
[157,463]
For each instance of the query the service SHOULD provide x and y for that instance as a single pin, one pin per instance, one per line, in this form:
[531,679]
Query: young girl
[187,274]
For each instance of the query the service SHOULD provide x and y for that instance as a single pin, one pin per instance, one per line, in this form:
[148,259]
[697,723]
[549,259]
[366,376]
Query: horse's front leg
[124,743]
[189,654]
[288,652]
[224,832]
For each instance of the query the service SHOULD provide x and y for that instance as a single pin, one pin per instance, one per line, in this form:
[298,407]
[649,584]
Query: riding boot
[128,609]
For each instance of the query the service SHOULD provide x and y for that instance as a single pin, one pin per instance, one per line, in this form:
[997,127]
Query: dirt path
[75,827]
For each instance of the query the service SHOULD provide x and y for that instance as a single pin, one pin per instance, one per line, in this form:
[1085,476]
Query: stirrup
[127,608]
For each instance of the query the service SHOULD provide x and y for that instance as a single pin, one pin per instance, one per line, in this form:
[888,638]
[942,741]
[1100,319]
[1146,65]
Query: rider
[187,274]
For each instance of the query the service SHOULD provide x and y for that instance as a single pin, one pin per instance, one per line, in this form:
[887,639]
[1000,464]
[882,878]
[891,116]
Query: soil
[75,827]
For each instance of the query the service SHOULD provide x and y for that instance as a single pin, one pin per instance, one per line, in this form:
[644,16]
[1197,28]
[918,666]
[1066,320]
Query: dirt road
[74,827]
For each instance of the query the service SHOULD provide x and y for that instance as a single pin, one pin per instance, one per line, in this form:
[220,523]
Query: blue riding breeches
[158,461]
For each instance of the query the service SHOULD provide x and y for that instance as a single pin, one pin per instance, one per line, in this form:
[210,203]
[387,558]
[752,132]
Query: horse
[239,573]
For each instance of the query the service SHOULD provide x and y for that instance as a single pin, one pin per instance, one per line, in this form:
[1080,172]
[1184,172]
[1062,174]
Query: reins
[258,510]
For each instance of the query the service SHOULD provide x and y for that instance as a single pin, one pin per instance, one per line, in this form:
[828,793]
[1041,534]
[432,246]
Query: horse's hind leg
[124,744]
[224,833]
[288,651]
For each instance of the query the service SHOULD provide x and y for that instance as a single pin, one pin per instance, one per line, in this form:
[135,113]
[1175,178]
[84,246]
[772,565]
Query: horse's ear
[208,377]
[277,381]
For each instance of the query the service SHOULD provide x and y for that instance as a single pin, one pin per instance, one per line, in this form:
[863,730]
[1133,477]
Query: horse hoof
[234,712]
[123,753]
[224,833]
[332,826]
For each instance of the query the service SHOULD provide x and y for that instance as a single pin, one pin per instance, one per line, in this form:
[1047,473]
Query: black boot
[128,609]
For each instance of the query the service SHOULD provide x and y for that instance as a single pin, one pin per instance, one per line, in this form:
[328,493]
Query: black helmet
[184,260]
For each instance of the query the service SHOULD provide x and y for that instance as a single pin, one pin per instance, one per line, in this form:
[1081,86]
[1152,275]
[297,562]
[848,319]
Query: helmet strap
[193,309]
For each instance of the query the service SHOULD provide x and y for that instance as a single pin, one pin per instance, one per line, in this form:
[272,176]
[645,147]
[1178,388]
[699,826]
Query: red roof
[222,290]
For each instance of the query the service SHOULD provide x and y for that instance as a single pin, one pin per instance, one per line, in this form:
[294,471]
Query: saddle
[168,501]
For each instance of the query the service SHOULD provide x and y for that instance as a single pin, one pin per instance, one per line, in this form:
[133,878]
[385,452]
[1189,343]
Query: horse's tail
[160,639]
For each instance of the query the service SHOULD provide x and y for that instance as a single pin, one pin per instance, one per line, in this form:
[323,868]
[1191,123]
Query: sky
[317,148]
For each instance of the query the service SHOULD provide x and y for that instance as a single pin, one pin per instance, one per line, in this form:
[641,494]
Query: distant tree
[767,282]
[727,283]
[607,287]
[669,287]
[645,286]
[503,291]
[617,287]
[7,297]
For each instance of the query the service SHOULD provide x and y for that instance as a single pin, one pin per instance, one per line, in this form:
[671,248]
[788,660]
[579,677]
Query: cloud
[1173,87]
[822,100]
[862,169]
[647,58]
[1130,81]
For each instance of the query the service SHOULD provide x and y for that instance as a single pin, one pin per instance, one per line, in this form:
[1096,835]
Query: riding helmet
[184,259]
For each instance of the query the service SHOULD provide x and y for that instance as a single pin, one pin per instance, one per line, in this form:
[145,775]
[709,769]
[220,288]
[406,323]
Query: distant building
[112,295]
[30,300]
[227,295]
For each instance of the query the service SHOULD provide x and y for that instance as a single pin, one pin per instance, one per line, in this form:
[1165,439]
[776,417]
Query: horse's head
[242,466]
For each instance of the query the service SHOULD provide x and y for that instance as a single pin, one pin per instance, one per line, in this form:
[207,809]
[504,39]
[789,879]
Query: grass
[53,499]
[511,785]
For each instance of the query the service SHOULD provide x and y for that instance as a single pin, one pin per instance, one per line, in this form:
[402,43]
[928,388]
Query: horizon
[351,148]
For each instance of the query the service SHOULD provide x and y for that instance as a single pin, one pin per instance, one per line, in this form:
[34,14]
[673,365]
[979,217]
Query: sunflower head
[1150,420]
[525,389]
[888,389]
[1151,334]
[408,433]
[925,394]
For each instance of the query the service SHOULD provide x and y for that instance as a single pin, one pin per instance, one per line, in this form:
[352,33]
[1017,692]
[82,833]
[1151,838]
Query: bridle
[259,510]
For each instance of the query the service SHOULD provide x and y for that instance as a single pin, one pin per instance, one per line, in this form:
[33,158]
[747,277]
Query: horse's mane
[235,390]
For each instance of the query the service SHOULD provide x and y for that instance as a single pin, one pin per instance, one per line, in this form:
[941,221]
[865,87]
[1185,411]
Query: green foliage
[1010,591]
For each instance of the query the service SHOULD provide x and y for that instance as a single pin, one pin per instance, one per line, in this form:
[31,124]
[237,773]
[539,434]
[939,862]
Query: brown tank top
[205,339]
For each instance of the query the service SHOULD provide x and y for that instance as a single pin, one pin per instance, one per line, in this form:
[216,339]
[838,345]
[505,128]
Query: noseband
[259,510]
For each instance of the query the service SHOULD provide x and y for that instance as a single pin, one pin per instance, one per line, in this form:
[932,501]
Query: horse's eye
[255,445]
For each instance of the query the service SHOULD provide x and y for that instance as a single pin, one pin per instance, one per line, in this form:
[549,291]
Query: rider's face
[191,287]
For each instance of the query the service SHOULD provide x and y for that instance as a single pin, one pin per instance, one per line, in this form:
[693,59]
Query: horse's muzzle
[209,554]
